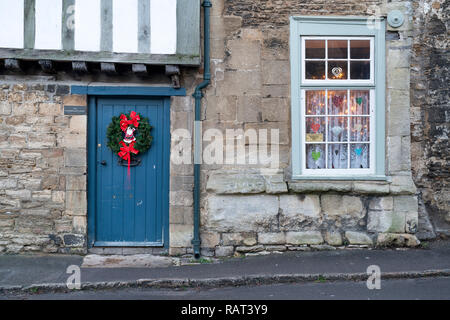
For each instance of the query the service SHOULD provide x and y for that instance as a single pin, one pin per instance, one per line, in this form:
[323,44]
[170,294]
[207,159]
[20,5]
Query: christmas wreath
[128,135]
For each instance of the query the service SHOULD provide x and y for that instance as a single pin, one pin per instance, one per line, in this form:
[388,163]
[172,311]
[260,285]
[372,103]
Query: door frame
[94,92]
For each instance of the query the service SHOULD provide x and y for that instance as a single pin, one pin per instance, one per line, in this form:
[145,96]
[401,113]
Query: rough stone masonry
[244,211]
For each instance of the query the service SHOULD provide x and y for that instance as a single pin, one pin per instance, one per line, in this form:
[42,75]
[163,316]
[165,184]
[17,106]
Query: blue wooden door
[132,212]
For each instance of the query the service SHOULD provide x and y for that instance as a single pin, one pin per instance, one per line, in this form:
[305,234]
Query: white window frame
[315,27]
[337,82]
[371,142]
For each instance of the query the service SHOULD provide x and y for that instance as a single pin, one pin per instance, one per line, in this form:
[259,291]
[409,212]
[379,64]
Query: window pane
[315,70]
[337,156]
[360,156]
[360,129]
[337,70]
[360,102]
[315,156]
[315,129]
[360,49]
[360,70]
[337,103]
[337,129]
[315,49]
[337,49]
[315,102]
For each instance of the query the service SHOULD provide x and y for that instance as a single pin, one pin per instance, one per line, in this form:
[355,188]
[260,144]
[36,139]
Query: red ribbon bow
[125,152]
[125,123]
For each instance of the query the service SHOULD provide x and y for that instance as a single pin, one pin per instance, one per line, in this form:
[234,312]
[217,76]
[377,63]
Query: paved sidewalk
[48,273]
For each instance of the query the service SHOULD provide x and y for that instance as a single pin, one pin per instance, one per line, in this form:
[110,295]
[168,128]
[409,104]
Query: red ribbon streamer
[125,123]
[125,152]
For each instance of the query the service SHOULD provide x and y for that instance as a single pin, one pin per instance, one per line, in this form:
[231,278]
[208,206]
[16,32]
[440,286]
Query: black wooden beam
[174,73]
[139,69]
[80,67]
[13,65]
[47,66]
[108,68]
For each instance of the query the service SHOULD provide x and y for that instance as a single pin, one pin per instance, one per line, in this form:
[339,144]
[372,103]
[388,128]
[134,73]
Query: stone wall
[244,208]
[42,170]
[430,119]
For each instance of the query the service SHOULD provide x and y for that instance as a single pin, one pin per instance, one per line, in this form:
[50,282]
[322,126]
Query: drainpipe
[198,95]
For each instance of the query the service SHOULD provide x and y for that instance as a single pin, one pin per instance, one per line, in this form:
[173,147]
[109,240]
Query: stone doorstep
[128,261]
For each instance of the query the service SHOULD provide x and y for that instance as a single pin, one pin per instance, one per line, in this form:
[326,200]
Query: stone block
[74,240]
[276,72]
[386,221]
[63,226]
[76,203]
[75,100]
[19,194]
[398,119]
[402,185]
[333,238]
[210,239]
[371,187]
[266,128]
[58,196]
[36,212]
[304,205]
[296,210]
[76,183]
[224,251]
[304,237]
[358,238]
[278,248]
[342,206]
[221,108]
[79,224]
[238,239]
[251,249]
[382,203]
[5,108]
[27,109]
[6,223]
[397,240]
[249,109]
[72,141]
[242,213]
[275,184]
[399,153]
[275,91]
[244,54]
[45,195]
[319,186]
[50,109]
[274,109]
[78,124]
[272,238]
[41,140]
[411,222]
[75,157]
[181,235]
[223,183]
[181,198]
[240,83]
[398,78]
[406,204]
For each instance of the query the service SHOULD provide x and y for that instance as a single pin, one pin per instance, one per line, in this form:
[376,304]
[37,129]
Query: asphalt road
[404,289]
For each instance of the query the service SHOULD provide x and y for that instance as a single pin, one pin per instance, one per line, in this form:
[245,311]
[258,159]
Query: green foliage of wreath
[143,136]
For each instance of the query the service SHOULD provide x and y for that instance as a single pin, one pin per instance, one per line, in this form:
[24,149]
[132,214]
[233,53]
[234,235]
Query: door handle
[103,163]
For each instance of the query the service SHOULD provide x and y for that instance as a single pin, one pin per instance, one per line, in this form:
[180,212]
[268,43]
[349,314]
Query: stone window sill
[227,183]
[344,179]
[356,186]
